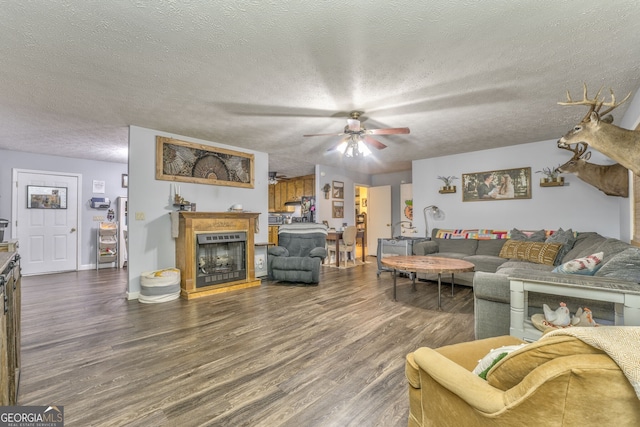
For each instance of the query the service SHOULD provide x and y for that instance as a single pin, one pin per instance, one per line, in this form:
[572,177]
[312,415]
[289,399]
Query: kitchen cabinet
[273,234]
[290,189]
[10,290]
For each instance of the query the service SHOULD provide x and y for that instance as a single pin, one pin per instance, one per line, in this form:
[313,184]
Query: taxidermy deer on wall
[621,145]
[613,180]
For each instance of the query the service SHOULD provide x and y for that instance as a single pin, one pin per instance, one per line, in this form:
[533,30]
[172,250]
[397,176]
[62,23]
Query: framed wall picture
[337,210]
[338,190]
[504,184]
[202,164]
[46,197]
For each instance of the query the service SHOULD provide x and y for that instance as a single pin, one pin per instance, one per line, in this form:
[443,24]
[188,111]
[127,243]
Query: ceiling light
[272,178]
[354,147]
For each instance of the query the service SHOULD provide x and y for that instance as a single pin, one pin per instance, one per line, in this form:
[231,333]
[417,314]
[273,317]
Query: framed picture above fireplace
[202,164]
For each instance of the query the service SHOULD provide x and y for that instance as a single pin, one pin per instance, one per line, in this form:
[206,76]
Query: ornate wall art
[506,184]
[202,164]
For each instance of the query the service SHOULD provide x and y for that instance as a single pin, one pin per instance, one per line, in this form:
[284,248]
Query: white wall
[328,174]
[579,206]
[150,244]
[90,170]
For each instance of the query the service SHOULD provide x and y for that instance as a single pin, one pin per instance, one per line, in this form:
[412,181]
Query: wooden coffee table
[426,264]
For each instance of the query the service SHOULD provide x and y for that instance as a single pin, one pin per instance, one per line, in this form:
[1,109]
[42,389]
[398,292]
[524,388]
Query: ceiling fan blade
[373,142]
[325,134]
[389,131]
[353,125]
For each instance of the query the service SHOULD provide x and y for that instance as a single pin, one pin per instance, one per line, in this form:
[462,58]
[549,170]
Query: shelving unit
[107,244]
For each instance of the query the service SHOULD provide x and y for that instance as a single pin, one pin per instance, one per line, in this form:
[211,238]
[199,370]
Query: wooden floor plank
[276,355]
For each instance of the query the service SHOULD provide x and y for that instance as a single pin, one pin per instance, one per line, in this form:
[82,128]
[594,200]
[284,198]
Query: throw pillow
[624,265]
[536,252]
[567,238]
[586,266]
[536,236]
[494,356]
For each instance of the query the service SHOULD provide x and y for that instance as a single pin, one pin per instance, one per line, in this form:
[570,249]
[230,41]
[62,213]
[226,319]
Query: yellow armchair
[557,381]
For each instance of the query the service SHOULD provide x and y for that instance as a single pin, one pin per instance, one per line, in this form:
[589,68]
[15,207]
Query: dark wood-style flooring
[276,355]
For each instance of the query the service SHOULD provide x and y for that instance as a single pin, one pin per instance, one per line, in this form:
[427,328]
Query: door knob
[73,230]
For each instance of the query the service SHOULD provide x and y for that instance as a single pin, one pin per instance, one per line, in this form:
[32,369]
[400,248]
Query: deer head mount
[596,130]
[613,180]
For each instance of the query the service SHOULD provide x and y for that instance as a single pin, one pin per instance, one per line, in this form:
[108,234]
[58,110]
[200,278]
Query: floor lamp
[435,212]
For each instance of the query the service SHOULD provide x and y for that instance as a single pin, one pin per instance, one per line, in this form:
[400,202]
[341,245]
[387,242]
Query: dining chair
[347,244]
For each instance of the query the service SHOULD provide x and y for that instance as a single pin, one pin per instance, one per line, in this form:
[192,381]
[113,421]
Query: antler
[595,105]
[578,151]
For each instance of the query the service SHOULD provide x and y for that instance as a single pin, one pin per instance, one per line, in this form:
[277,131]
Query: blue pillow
[586,266]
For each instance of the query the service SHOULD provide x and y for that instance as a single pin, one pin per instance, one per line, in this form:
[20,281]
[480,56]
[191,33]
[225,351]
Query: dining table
[336,236]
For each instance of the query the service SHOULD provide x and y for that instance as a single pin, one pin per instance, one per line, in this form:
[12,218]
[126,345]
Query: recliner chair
[299,254]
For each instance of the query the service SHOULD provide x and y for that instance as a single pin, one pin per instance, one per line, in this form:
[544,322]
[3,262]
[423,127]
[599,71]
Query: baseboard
[132,295]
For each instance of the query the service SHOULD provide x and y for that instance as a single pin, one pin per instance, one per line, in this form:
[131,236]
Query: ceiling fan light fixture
[354,147]
[273,180]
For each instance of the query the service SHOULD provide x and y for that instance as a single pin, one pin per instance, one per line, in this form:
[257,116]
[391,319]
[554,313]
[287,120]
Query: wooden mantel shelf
[193,223]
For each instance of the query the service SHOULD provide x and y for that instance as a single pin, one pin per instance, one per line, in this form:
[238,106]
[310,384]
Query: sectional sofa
[498,254]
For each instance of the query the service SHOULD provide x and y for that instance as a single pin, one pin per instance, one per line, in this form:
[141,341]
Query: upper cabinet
[290,189]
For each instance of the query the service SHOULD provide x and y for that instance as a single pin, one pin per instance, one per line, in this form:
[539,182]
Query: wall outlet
[98,218]
[139,216]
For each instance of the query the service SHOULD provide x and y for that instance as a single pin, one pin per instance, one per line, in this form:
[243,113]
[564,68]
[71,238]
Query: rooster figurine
[559,317]
[583,318]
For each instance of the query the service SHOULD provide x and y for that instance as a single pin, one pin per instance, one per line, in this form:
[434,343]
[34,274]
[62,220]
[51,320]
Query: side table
[625,297]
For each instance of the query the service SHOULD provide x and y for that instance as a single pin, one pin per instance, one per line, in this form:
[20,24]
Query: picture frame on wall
[337,210]
[338,190]
[41,197]
[184,161]
[501,184]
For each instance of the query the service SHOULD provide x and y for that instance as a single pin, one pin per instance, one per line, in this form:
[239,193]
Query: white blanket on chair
[621,343]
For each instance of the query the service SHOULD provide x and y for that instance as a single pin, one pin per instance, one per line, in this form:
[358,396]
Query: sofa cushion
[586,266]
[611,247]
[536,252]
[586,244]
[625,265]
[567,238]
[487,263]
[465,246]
[490,247]
[536,236]
[511,370]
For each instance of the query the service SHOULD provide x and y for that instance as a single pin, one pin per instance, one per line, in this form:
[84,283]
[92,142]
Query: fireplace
[221,258]
[215,252]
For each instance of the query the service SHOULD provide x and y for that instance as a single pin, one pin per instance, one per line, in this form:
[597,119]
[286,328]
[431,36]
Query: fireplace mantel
[193,223]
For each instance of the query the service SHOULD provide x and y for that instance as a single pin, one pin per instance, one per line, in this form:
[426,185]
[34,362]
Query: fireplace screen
[221,258]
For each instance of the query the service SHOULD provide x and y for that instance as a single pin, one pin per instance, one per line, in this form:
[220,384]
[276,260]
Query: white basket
[159,286]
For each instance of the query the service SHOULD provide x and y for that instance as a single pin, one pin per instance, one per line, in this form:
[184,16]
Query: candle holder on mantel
[181,203]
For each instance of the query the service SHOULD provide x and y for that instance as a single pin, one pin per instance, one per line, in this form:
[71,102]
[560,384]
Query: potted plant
[551,174]
[448,183]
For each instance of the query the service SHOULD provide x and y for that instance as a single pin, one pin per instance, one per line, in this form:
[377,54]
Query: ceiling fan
[274,178]
[356,139]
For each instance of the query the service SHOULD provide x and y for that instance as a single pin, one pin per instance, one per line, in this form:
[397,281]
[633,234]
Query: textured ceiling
[462,75]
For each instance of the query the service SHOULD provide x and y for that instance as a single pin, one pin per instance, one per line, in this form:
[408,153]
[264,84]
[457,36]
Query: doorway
[379,216]
[45,220]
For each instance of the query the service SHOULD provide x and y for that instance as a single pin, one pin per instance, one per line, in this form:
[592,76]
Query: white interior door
[378,217]
[47,231]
